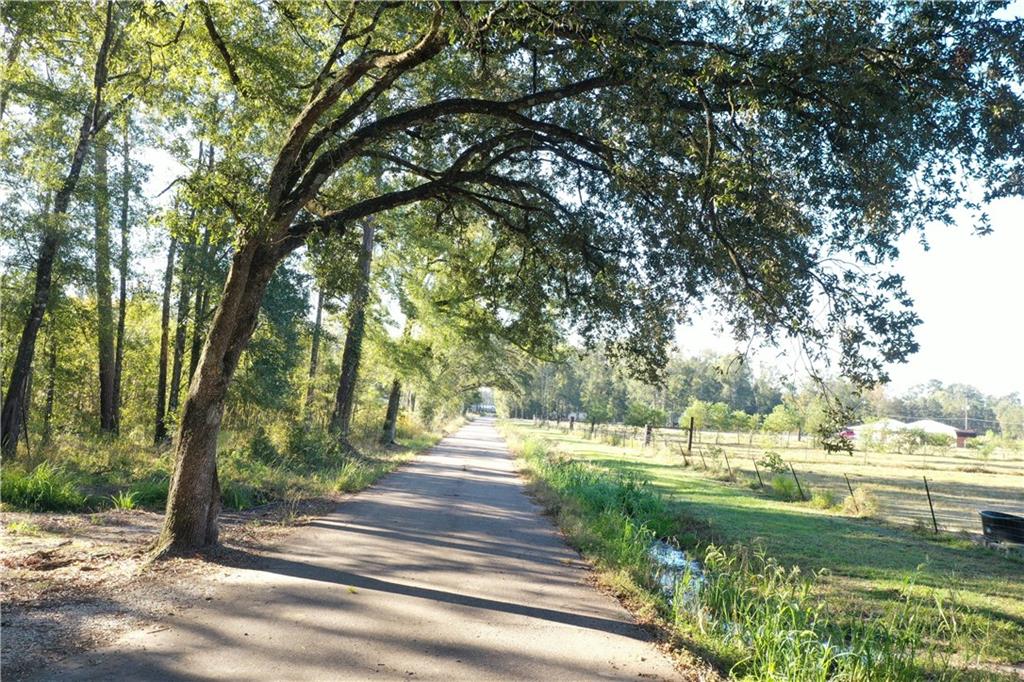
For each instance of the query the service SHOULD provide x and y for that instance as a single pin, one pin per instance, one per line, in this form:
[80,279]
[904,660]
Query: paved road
[444,570]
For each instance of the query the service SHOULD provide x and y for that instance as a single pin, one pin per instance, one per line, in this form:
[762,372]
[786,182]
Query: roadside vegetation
[287,464]
[787,590]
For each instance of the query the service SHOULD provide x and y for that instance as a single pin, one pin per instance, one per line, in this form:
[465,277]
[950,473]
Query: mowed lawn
[866,565]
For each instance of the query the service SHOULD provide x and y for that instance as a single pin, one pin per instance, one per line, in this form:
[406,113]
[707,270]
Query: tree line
[499,177]
[724,393]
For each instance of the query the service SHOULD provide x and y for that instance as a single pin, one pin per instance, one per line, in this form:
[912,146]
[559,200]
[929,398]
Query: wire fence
[936,488]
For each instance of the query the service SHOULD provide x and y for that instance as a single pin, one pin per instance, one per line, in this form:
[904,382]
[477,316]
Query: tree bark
[391,417]
[341,419]
[11,416]
[122,270]
[160,432]
[202,260]
[104,306]
[314,354]
[193,502]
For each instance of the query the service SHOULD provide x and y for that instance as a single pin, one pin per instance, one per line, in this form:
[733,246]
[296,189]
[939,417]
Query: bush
[785,488]
[151,492]
[261,448]
[47,488]
[824,499]
[772,461]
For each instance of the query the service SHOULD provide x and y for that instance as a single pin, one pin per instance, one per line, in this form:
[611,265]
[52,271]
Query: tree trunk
[341,419]
[51,382]
[160,433]
[11,415]
[314,354]
[391,417]
[193,502]
[181,325]
[104,306]
[201,298]
[122,269]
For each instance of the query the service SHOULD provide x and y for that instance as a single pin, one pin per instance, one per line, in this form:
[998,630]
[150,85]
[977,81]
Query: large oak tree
[637,160]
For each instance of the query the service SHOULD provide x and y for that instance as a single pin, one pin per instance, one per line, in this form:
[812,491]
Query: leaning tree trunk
[122,273]
[341,419]
[193,501]
[160,432]
[314,355]
[387,437]
[104,306]
[12,414]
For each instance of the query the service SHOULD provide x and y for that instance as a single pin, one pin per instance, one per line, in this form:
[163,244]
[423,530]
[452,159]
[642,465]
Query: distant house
[883,427]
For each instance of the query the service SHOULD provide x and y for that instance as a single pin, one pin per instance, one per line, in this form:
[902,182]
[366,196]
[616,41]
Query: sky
[968,291]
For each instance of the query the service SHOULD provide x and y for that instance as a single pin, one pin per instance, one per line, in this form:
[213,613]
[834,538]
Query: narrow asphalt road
[443,570]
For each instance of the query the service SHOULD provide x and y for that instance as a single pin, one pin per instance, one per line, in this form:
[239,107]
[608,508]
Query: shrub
[772,461]
[261,448]
[151,492]
[824,499]
[785,488]
[46,488]
[863,502]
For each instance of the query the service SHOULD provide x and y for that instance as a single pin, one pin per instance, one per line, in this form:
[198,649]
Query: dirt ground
[72,582]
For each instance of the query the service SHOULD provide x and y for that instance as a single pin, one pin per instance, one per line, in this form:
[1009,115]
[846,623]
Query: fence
[960,482]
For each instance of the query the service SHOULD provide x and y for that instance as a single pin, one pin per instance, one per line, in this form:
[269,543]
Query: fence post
[852,496]
[758,472]
[727,465]
[682,452]
[702,460]
[689,440]
[798,486]
[935,524]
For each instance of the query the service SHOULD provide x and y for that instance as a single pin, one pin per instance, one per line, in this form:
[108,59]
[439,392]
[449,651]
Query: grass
[956,603]
[287,463]
[44,488]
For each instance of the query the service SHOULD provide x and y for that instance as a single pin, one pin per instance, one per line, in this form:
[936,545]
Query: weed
[124,500]
[23,528]
[863,503]
[824,499]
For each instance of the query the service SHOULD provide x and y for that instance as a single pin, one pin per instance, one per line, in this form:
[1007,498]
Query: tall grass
[758,619]
[46,488]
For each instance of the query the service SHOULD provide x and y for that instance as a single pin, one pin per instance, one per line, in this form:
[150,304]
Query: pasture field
[864,565]
[962,481]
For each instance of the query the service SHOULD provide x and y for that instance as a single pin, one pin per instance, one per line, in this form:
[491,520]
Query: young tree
[104,289]
[160,434]
[93,120]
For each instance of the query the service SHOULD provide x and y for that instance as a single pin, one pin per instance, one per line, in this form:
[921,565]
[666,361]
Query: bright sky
[969,292]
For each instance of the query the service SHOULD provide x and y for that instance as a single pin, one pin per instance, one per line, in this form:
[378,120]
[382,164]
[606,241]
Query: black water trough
[1002,527]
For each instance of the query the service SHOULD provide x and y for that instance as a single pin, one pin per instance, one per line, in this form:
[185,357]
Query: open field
[866,565]
[962,480]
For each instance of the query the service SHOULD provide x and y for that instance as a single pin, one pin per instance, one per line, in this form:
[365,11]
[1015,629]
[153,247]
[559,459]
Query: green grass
[287,463]
[46,488]
[965,603]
